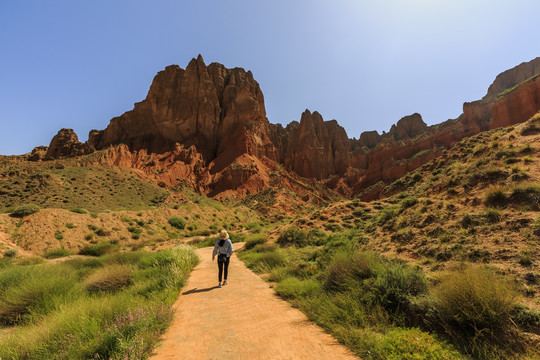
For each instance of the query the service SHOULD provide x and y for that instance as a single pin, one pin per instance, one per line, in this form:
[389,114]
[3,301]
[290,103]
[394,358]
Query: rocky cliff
[206,127]
[512,77]
[66,144]
[220,111]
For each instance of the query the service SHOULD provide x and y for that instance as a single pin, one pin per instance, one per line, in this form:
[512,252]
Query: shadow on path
[197,290]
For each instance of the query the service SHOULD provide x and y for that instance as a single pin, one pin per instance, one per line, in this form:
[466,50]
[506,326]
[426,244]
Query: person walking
[223,249]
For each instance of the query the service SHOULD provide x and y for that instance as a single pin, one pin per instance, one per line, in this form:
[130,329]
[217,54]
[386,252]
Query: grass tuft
[25,210]
[99,249]
[109,278]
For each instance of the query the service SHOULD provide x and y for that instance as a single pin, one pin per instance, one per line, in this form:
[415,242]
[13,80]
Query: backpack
[221,257]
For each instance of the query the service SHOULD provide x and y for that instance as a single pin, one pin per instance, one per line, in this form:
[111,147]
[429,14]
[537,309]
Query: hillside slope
[479,203]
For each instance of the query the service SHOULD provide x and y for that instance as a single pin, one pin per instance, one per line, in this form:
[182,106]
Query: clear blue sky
[368,63]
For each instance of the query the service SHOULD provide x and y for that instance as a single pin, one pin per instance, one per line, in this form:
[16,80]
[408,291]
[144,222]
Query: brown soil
[242,320]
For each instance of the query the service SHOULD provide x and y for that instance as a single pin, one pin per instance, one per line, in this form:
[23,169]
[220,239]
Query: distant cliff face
[316,148]
[206,127]
[512,77]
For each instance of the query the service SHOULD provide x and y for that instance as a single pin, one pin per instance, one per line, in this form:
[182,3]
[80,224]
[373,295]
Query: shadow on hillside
[196,290]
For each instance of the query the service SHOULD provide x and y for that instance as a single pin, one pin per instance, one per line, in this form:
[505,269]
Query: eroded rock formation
[206,127]
[218,110]
[67,144]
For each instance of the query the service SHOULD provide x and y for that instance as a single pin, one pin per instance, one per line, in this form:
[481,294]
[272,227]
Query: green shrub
[79,211]
[57,253]
[253,241]
[332,227]
[25,210]
[272,259]
[30,260]
[396,283]
[475,304]
[525,317]
[109,278]
[102,232]
[265,247]
[265,260]
[292,236]
[345,267]
[58,235]
[468,221]
[402,236]
[536,227]
[98,249]
[495,197]
[492,215]
[530,129]
[385,215]
[10,253]
[525,258]
[177,223]
[408,202]
[526,195]
[316,237]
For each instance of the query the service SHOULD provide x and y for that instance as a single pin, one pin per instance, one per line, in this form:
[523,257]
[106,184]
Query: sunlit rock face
[205,126]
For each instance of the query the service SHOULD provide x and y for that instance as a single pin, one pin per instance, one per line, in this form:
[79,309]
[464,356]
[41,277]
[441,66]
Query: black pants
[222,265]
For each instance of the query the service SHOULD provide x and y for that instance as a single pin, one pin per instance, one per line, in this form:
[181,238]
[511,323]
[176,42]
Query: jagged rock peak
[408,127]
[369,139]
[201,106]
[512,77]
[317,148]
[67,144]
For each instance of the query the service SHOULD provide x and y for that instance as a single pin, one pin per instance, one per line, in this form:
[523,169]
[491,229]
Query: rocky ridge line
[206,127]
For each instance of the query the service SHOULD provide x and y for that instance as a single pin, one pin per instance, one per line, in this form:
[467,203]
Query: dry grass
[110,278]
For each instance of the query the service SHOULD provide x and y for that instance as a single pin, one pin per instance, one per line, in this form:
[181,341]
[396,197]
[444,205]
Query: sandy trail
[242,320]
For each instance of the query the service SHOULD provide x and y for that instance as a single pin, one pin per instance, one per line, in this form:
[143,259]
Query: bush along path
[112,306]
[242,320]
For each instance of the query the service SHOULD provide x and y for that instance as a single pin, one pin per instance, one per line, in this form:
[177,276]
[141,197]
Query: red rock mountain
[206,127]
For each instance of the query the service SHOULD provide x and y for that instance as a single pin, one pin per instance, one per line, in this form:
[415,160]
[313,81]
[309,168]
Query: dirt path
[242,320]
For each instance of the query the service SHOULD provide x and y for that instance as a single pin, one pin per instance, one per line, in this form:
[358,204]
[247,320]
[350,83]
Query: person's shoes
[225,282]
[219,285]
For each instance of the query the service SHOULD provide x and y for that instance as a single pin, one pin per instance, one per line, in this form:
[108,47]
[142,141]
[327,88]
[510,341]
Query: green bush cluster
[383,308]
[525,195]
[79,210]
[57,253]
[98,249]
[253,241]
[110,307]
[293,236]
[25,210]
[474,306]
[176,222]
